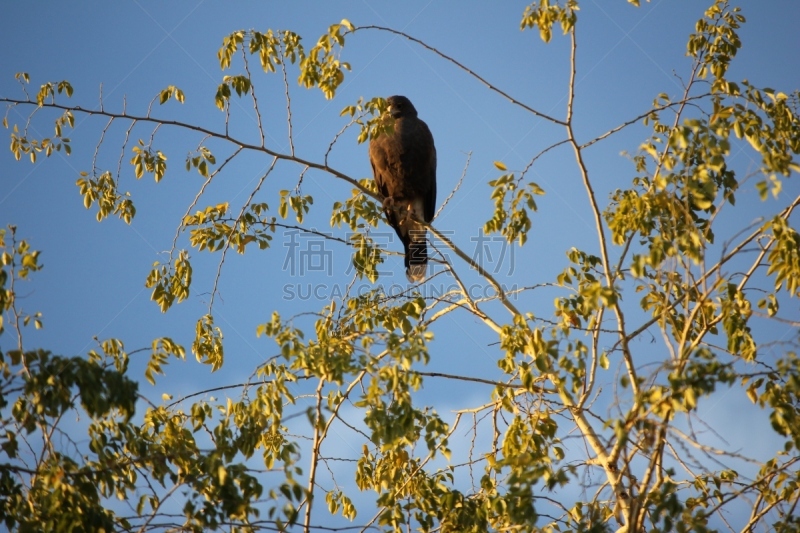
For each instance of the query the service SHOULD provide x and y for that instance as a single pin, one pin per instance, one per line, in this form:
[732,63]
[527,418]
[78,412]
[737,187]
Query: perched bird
[404,167]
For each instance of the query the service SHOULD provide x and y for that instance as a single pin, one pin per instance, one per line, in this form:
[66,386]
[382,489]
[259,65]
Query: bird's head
[400,106]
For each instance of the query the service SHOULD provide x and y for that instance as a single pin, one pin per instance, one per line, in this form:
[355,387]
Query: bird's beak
[394,111]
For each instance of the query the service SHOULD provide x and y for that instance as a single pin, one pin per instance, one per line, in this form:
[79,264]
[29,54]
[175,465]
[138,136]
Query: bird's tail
[416,259]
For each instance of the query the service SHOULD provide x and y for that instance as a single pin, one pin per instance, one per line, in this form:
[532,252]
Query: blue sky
[93,281]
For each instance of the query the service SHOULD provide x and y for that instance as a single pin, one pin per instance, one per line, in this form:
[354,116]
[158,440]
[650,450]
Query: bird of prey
[404,167]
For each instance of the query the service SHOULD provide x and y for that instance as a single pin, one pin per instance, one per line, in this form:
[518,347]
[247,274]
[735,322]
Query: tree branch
[462,67]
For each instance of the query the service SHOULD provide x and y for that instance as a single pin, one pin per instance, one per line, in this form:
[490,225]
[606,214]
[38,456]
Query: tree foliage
[238,464]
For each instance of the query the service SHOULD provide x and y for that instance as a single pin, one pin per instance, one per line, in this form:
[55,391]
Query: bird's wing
[384,178]
[425,152]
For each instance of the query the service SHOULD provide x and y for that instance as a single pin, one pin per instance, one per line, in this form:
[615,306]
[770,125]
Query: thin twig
[202,190]
[457,187]
[462,67]
[233,230]
[288,101]
[255,100]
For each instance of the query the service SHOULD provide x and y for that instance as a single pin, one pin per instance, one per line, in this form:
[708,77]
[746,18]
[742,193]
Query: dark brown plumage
[404,167]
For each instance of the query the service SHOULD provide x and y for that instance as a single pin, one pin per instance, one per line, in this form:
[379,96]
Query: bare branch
[464,68]
[456,187]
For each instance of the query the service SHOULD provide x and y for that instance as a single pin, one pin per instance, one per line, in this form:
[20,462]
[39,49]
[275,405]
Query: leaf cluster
[511,205]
